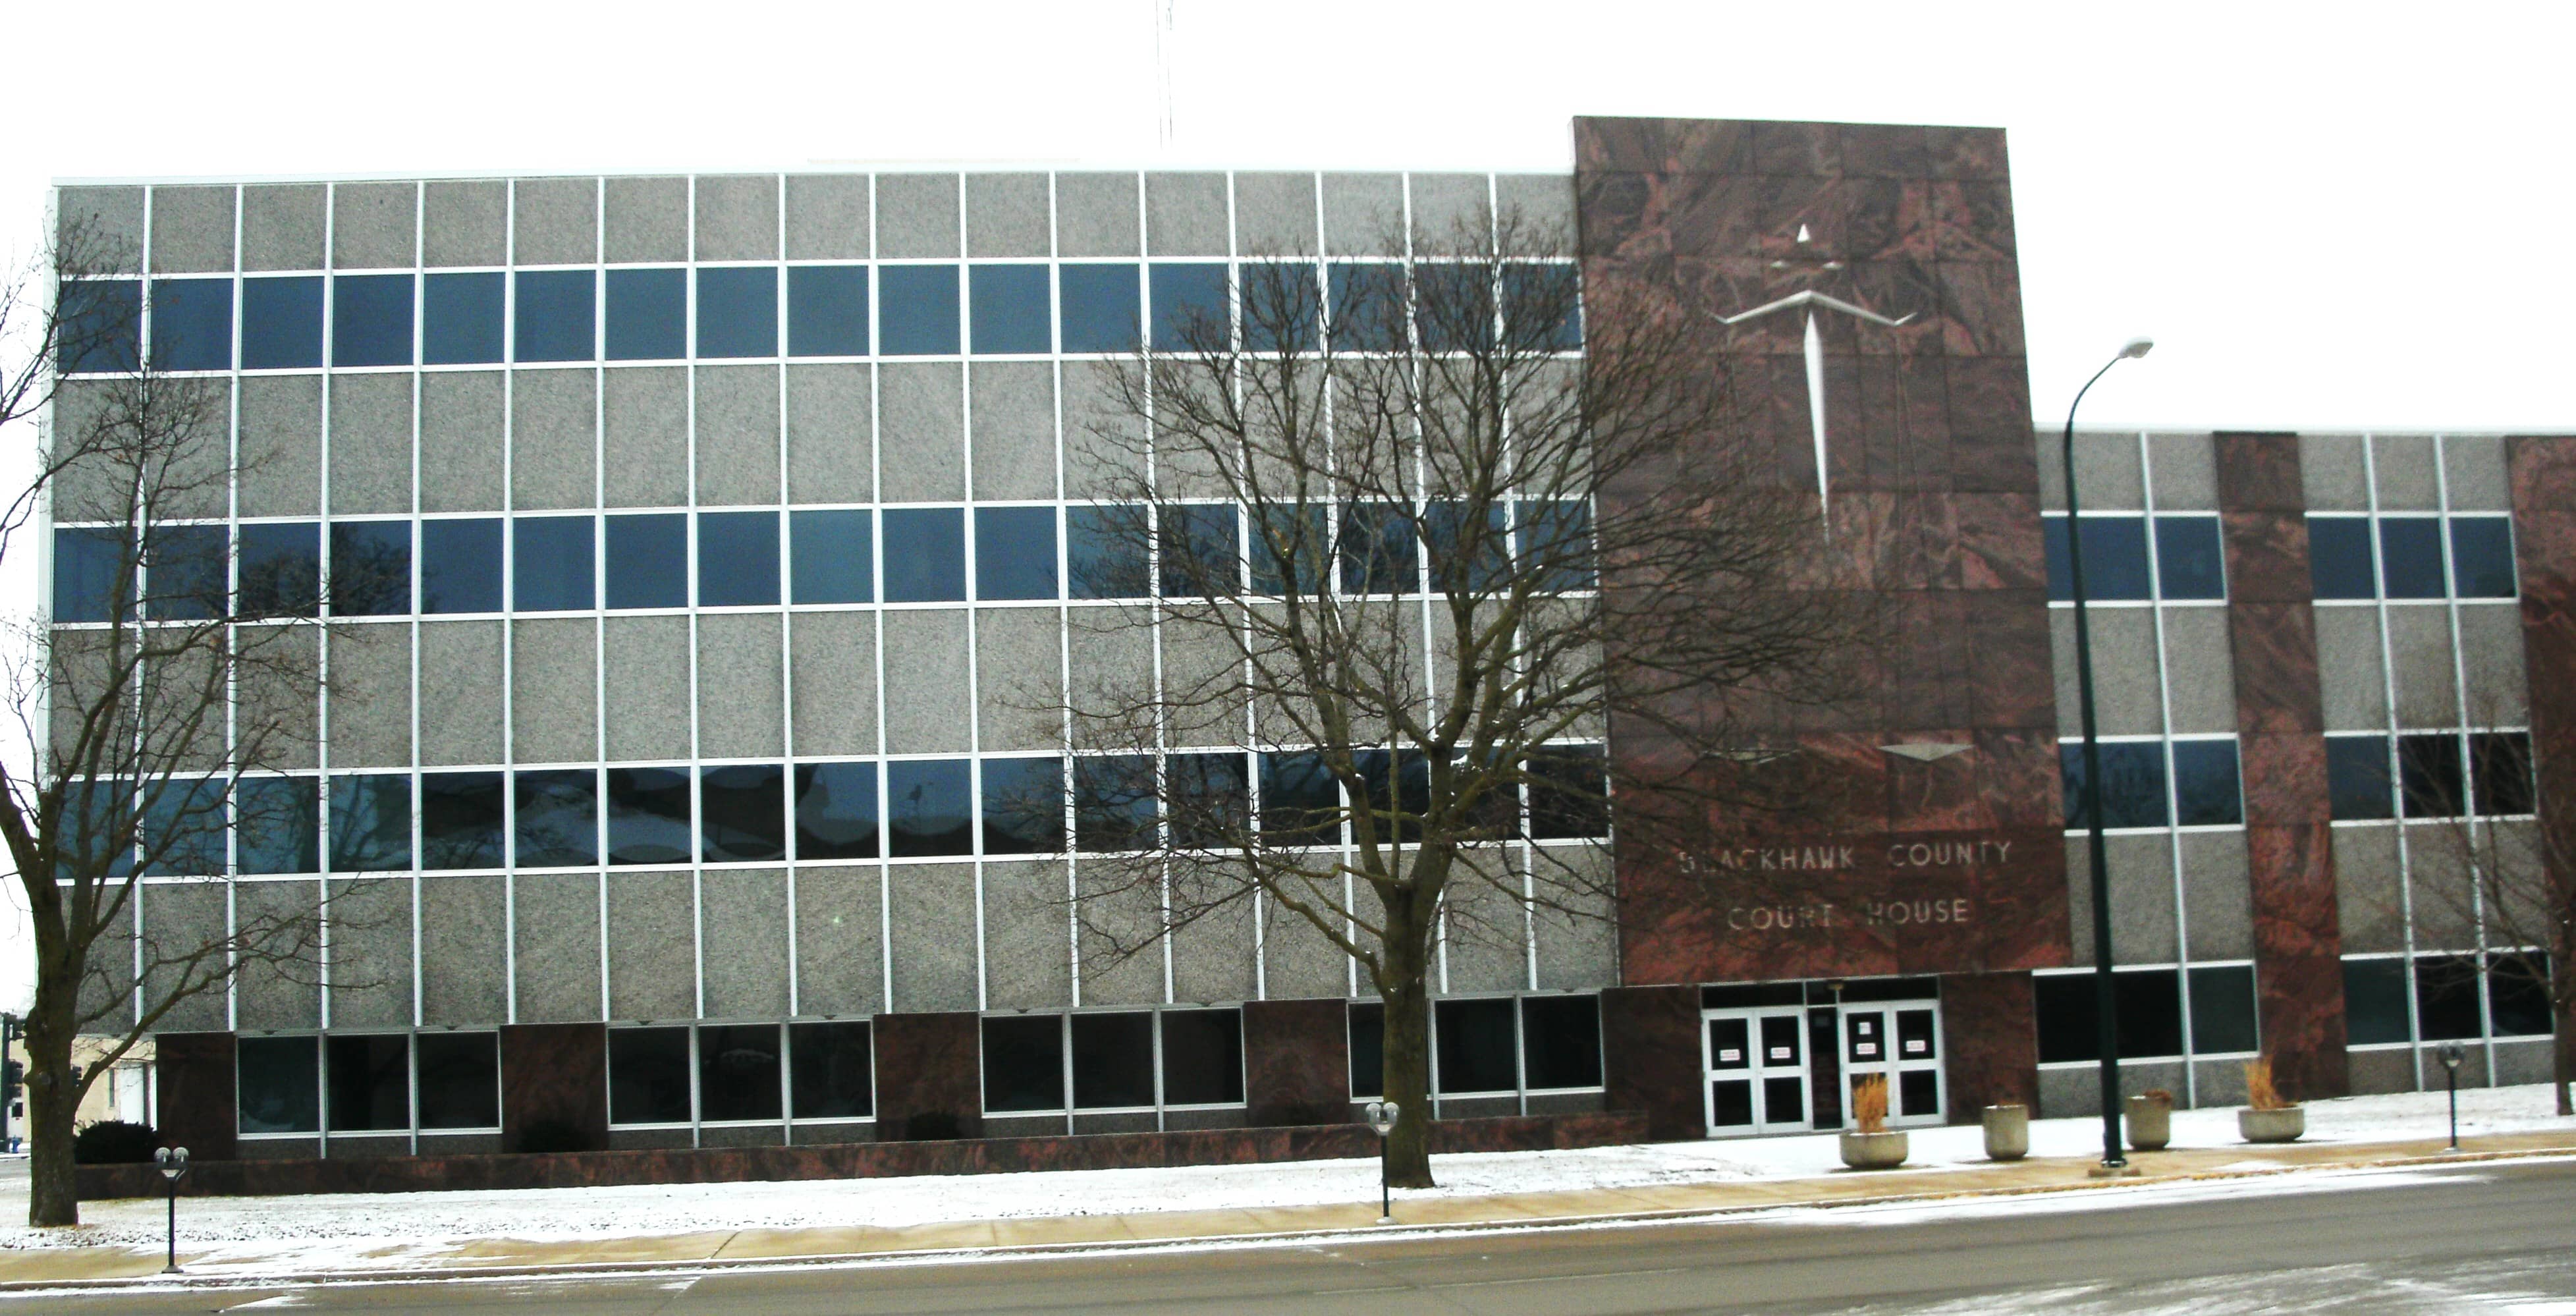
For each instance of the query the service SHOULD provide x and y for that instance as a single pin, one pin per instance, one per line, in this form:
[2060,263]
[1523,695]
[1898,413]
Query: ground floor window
[368,1083]
[1490,1045]
[1112,1060]
[2153,1021]
[739,1073]
[2443,993]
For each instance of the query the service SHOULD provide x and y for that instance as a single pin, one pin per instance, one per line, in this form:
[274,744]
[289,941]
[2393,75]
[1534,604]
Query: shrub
[932,1126]
[543,1137]
[1869,1103]
[2259,1092]
[115,1142]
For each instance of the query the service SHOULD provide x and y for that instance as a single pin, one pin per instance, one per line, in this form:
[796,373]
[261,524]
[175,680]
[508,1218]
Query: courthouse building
[737,514]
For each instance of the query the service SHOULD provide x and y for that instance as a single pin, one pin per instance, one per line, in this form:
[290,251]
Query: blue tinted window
[554,316]
[460,565]
[370,822]
[738,312]
[2133,784]
[370,568]
[2410,556]
[1189,306]
[278,824]
[1106,553]
[1009,307]
[192,324]
[1114,803]
[925,555]
[648,816]
[2205,792]
[2339,557]
[281,569]
[917,314]
[102,325]
[2188,562]
[933,808]
[2357,786]
[1015,553]
[1283,307]
[1100,307]
[1556,539]
[2115,558]
[183,827]
[836,811]
[460,319]
[1542,306]
[648,561]
[187,572]
[647,314]
[1199,551]
[97,831]
[1289,551]
[1366,312]
[827,310]
[86,565]
[551,567]
[737,559]
[281,323]
[1301,802]
[371,320]
[1467,552]
[462,822]
[2482,557]
[742,813]
[558,818]
[1378,554]
[832,556]
[1454,306]
[1023,806]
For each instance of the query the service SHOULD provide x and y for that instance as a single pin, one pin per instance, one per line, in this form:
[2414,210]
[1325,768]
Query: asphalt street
[2495,1236]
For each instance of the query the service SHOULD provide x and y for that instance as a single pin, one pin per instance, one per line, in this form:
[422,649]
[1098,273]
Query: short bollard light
[1381,1117]
[174,1163]
[2452,1054]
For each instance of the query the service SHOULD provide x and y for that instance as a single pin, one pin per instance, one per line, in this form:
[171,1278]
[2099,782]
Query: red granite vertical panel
[1297,1061]
[554,1074]
[198,1099]
[929,1064]
[2280,722]
[2543,473]
[1992,1030]
[1651,1058]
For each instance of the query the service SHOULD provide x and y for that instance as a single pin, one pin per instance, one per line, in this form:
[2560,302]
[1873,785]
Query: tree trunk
[1408,1082]
[53,1189]
[2562,1067]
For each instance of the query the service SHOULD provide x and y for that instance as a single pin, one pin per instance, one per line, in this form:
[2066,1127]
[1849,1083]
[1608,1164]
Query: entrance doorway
[1755,1063]
[1789,1068]
[1902,1041]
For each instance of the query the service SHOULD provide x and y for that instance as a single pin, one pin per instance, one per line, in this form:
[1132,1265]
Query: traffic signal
[13,1077]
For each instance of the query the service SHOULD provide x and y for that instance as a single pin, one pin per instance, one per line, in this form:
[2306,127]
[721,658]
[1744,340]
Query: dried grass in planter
[2259,1092]
[2157,1097]
[1869,1103]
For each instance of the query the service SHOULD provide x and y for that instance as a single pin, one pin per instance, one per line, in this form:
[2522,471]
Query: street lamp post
[2106,1013]
[1382,1117]
[2452,1054]
[173,1163]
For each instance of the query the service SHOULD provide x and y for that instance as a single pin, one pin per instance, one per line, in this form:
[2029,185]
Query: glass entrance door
[1755,1062]
[1901,1040]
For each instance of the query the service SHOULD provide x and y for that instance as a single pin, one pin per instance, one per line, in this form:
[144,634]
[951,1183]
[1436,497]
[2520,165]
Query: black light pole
[2106,1013]
[1381,1117]
[2452,1054]
[173,1163]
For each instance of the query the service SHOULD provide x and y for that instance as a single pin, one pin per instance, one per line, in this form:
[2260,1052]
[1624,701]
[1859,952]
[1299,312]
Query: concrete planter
[2284,1125]
[2007,1132]
[1873,1151]
[2150,1124]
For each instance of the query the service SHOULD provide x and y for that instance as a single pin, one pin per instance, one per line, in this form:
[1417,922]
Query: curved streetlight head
[2136,347]
[1382,1117]
[2452,1054]
[173,1161]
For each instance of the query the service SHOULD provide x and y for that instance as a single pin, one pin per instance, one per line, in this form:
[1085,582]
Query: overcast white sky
[2328,216]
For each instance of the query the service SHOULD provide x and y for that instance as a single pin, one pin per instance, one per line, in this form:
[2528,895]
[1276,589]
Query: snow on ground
[380,1227]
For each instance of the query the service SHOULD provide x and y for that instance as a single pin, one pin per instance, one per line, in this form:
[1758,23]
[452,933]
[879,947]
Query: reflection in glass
[1283,307]
[101,325]
[1377,549]
[2502,760]
[1189,307]
[1113,803]
[2339,563]
[187,571]
[1289,549]
[2189,564]
[1209,798]
[2410,556]
[1105,552]
[183,828]
[279,1084]
[2133,784]
[1453,307]
[370,568]
[370,822]
[1301,802]
[2115,558]
[461,820]
[2205,789]
[1366,313]
[558,818]
[1543,307]
[2429,779]
[836,811]
[554,316]
[933,804]
[1023,806]
[2357,785]
[744,810]
[281,569]
[278,824]
[87,563]
[1569,793]
[648,816]
[2482,557]
[1199,553]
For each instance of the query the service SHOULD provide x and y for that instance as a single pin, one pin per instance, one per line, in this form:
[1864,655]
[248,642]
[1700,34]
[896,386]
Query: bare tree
[1417,532]
[148,706]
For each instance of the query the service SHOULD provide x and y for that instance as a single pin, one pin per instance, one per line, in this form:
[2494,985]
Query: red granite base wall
[1651,1058]
[1297,1061]
[197,1094]
[554,1074]
[929,1064]
[1992,1030]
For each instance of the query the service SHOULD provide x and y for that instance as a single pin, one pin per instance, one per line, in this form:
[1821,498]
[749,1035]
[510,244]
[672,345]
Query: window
[2446,998]
[1023,806]
[1569,793]
[648,1075]
[648,560]
[460,1080]
[1009,304]
[647,314]
[1289,551]
[1209,797]
[1105,552]
[370,822]
[1476,1045]
[558,818]
[554,316]
[737,559]
[460,319]
[101,325]
[1014,552]
[461,822]
[832,556]
[279,1084]
[2410,556]
[2222,1010]
[2503,763]
[460,564]
[1467,551]
[2205,784]
[1283,307]
[738,312]
[2374,1001]
[925,555]
[830,1071]
[1114,801]
[2133,784]
[2189,563]
[1199,551]
[1366,311]
[101,814]
[2482,557]
[2518,996]
[2115,558]
[1490,1045]
[187,572]
[278,824]
[742,813]
[836,811]
[370,568]
[2147,1003]
[1024,1063]
[1399,792]
[933,801]
[827,310]
[1301,802]
[371,320]
[738,1072]
[182,829]
[2339,565]
[1453,306]
[1377,546]
[2428,775]
[1188,306]
[1097,307]
[1202,1057]
[1368,1049]
[1543,307]
[648,816]
[552,569]
[281,323]
[917,315]
[192,324]
[369,1078]
[281,569]
[86,566]
[1113,1060]
[1556,538]
[1561,1041]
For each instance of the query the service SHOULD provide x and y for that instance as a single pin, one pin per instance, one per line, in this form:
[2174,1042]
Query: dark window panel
[737,559]
[2222,1010]
[647,314]
[827,310]
[281,569]
[742,813]
[371,320]
[461,820]
[2518,995]
[1368,1050]
[552,568]
[1015,553]
[925,555]
[101,326]
[1301,803]
[460,565]
[2339,564]
[648,1075]
[1202,1057]
[2189,563]
[2357,785]
[281,323]
[933,808]
[1009,306]
[1114,802]
[370,568]
[1201,557]
[370,822]
[2374,1001]
[87,563]
[2428,775]
[2410,556]
[836,811]
[1105,551]
[1543,307]
[738,1072]
[2503,763]
[832,556]
[558,818]
[460,1080]
[2482,557]
[1189,306]
[187,572]
[1024,1063]
[1478,1046]
[1561,1041]
[1099,308]
[831,1071]
[1569,793]
[192,324]
[1366,307]
[1468,550]
[98,828]
[738,311]
[2205,783]
[1023,806]
[1556,543]
[1283,307]
[278,824]
[648,560]
[279,1084]
[554,321]
[1209,799]
[184,826]
[2446,998]
[369,1077]
[2115,558]
[2146,1002]
[1399,788]
[461,318]
[648,816]
[1453,307]
[1289,550]
[1113,1060]
[1378,549]
[917,310]
[2133,784]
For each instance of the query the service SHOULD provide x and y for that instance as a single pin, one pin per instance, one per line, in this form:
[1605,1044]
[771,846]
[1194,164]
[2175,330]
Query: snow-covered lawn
[422,1222]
